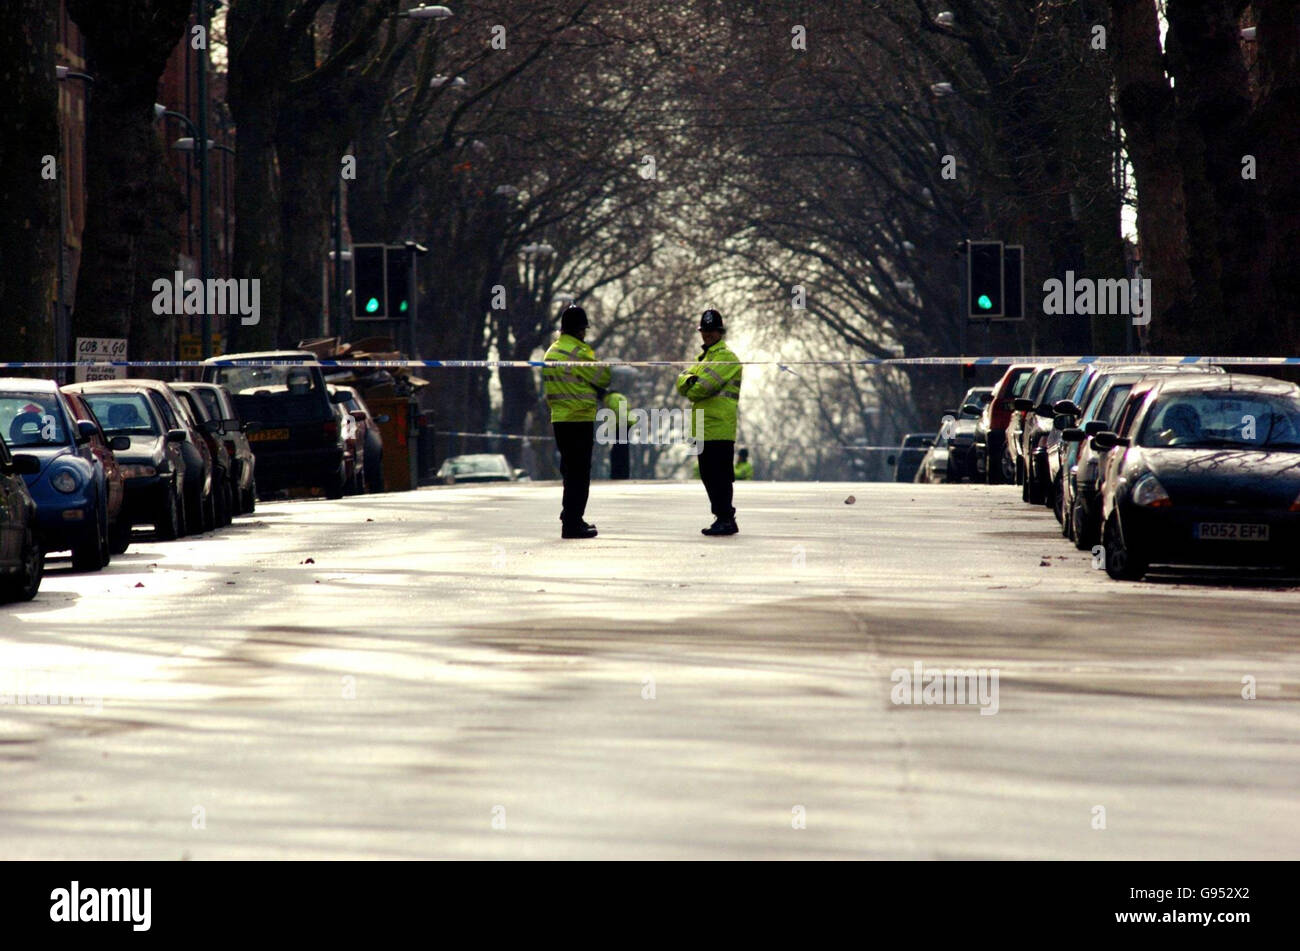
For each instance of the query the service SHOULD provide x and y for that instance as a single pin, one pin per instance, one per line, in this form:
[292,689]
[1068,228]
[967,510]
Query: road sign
[192,346]
[100,348]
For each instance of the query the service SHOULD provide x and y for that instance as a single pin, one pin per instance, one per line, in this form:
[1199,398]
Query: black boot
[580,530]
[721,527]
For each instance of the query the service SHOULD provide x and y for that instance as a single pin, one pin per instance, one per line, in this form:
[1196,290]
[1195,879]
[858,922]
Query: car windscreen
[31,420]
[1212,418]
[296,380]
[210,402]
[276,396]
[1060,385]
[123,414]
[1110,404]
[1019,381]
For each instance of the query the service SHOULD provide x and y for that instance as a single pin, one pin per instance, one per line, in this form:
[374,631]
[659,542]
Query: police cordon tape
[746,445]
[780,364]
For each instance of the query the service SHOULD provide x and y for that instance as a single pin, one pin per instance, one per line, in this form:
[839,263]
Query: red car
[990,432]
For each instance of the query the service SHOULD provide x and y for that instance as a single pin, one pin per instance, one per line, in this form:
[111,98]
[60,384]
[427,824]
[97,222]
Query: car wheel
[210,511]
[1058,506]
[375,477]
[90,554]
[1122,562]
[119,536]
[1085,534]
[336,484]
[225,503]
[169,522]
[1034,493]
[250,498]
[23,585]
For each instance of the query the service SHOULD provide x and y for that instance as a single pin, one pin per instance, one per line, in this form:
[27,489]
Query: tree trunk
[29,131]
[1146,106]
[132,200]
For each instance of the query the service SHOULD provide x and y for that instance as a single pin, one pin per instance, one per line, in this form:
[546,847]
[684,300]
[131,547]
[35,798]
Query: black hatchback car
[1205,472]
[300,443]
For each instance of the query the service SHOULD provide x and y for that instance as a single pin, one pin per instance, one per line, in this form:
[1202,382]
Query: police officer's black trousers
[718,472]
[575,441]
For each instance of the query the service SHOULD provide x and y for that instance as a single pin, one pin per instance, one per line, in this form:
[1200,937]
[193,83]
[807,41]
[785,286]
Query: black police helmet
[711,320]
[573,318]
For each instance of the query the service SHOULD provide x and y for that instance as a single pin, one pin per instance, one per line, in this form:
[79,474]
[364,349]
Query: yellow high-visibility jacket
[716,391]
[571,391]
[745,470]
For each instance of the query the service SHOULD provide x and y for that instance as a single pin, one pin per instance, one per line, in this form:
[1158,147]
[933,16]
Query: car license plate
[1231,531]
[268,435]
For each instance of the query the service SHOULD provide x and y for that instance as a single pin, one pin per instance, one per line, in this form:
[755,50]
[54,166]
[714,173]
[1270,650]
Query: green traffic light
[984,302]
[402,307]
[372,305]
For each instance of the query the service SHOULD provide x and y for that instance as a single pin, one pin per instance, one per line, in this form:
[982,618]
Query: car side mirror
[1094,426]
[212,425]
[26,464]
[120,443]
[382,418]
[359,415]
[339,397]
[1072,434]
[176,435]
[250,426]
[519,474]
[86,430]
[1065,408]
[1022,404]
[1105,440]
[970,409]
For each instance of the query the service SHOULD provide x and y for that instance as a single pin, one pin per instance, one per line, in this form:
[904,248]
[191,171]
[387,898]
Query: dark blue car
[70,489]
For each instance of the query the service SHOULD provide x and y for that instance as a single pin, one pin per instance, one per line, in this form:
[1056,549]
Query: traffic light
[984,297]
[398,271]
[1013,281]
[369,293]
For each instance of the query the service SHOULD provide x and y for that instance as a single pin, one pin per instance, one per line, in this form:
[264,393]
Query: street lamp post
[62,321]
[201,13]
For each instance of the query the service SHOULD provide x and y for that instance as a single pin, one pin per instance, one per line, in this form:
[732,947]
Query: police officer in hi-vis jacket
[713,387]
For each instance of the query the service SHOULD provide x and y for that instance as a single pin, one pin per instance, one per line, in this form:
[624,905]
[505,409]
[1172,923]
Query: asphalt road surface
[438,674]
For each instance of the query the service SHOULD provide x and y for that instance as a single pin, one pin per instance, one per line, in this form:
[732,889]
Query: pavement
[437,674]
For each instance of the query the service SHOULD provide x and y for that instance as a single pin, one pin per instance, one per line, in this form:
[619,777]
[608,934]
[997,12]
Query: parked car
[200,468]
[479,467]
[1094,405]
[991,433]
[152,461]
[300,443]
[22,560]
[354,448]
[101,445]
[910,453]
[74,489]
[209,428]
[234,434]
[1206,470]
[1016,423]
[1036,423]
[371,438]
[951,457]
